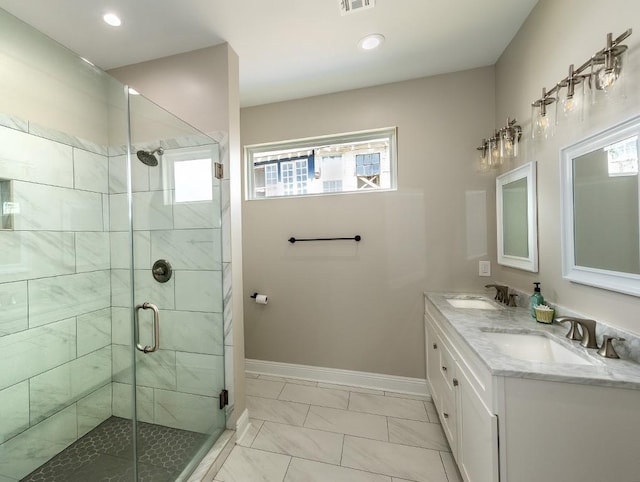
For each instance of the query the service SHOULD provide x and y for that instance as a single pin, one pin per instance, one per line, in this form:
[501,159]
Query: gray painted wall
[555,35]
[359,306]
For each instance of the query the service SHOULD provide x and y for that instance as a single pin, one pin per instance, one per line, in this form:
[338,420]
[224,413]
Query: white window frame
[255,150]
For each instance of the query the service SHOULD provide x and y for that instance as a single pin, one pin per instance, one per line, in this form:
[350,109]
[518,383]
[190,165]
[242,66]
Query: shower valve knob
[162,271]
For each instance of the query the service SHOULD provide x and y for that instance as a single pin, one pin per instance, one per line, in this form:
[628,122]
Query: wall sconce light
[573,102]
[611,59]
[606,67]
[541,126]
[502,147]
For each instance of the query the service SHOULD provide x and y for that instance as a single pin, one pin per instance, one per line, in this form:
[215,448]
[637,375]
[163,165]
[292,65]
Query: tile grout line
[288,467]
[306,416]
[281,390]
[388,434]
[443,466]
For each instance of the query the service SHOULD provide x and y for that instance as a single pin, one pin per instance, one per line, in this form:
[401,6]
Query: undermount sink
[534,347]
[473,303]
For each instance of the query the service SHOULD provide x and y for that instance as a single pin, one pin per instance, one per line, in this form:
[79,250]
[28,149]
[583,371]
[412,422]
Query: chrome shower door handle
[156,328]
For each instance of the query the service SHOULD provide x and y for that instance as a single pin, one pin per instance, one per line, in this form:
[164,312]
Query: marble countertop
[475,325]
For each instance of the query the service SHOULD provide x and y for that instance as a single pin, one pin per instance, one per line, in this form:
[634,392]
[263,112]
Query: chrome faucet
[502,293]
[588,339]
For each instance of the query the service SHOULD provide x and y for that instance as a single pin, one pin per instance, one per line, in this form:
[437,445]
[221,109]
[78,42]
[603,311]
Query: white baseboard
[376,381]
[242,424]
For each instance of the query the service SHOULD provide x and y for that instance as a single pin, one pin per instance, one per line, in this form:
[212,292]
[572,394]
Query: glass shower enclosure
[111,311]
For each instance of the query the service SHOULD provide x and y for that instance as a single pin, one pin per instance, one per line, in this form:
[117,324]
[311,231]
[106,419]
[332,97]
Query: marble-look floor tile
[250,434]
[419,434]
[245,464]
[350,388]
[301,470]
[323,397]
[257,387]
[450,467]
[394,460]
[346,422]
[277,410]
[391,407]
[432,413]
[408,396]
[296,381]
[300,442]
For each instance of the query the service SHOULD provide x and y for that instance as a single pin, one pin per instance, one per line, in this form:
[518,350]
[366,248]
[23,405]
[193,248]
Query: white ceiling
[288,48]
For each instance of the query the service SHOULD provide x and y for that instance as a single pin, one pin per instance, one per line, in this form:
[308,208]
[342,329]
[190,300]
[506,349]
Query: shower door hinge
[219,170]
[224,399]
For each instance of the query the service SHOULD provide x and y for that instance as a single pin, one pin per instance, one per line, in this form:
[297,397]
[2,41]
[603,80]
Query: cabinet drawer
[449,420]
[447,366]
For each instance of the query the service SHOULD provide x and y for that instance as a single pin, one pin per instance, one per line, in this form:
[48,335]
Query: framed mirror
[517,218]
[600,213]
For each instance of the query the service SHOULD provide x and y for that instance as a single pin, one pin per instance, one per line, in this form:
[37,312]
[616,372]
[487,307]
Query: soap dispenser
[536,299]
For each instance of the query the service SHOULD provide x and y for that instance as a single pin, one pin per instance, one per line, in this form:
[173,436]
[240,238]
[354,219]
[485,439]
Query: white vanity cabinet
[526,427]
[469,424]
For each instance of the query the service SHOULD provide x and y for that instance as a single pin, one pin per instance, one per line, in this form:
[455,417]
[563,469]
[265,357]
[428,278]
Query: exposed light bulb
[569,105]
[606,79]
[541,127]
[542,122]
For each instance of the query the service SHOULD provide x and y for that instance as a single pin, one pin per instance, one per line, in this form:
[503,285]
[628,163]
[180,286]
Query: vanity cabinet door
[477,455]
[433,362]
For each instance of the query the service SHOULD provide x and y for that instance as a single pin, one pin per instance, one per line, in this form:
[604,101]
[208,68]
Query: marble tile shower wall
[55,306]
[64,291]
[178,386]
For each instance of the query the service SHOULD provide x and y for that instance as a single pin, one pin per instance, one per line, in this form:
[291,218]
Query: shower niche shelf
[7,207]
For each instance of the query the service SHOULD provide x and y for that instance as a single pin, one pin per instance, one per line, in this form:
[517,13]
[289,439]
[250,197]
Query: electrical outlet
[484,268]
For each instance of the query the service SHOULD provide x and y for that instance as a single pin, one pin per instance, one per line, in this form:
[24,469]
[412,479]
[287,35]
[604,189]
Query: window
[193,180]
[622,157]
[332,186]
[355,162]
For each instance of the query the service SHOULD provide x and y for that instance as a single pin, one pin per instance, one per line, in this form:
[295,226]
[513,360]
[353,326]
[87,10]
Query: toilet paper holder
[260,299]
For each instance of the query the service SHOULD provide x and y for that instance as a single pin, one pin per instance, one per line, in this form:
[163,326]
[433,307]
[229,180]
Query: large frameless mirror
[517,218]
[600,226]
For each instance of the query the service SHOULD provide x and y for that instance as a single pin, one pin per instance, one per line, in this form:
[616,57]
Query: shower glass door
[169,320]
[82,222]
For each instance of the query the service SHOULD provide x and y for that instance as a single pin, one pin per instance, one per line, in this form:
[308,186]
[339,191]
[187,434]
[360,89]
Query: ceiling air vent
[350,6]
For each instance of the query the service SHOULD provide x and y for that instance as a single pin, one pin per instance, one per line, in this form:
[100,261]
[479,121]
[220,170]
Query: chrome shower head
[149,158]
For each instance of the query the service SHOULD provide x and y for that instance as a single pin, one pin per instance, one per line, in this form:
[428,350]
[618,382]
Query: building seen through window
[347,163]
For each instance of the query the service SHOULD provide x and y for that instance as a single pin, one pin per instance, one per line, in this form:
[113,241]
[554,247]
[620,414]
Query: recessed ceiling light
[112,19]
[371,42]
